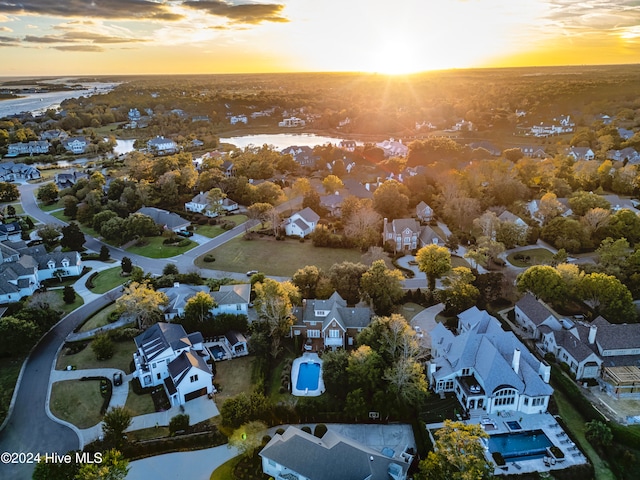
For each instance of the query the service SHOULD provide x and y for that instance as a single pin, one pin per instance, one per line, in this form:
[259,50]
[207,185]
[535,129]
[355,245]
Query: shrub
[320,430]
[306,429]
[498,459]
[178,423]
[102,346]
[280,431]
[212,221]
[124,334]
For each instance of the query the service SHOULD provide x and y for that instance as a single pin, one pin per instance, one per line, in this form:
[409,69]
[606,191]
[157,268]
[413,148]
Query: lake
[38,103]
[282,140]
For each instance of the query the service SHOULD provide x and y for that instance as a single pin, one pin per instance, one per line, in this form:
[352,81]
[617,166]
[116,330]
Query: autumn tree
[391,200]
[274,304]
[48,193]
[8,192]
[460,293]
[434,261]
[382,287]
[306,279]
[198,307]
[143,303]
[332,184]
[362,225]
[259,211]
[548,208]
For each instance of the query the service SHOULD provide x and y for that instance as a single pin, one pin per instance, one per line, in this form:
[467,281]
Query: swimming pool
[217,351]
[308,376]
[520,446]
[513,425]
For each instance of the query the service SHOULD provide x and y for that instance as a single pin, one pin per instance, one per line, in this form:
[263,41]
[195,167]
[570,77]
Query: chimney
[176,284]
[545,372]
[515,364]
[593,330]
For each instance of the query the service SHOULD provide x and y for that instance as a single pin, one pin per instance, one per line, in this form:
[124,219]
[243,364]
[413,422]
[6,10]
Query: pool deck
[495,424]
[295,371]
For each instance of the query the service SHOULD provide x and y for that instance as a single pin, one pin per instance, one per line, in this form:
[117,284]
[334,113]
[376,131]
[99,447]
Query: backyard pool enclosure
[306,376]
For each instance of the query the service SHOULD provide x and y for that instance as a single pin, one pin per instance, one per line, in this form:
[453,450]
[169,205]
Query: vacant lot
[234,377]
[122,357]
[275,258]
[77,402]
[212,231]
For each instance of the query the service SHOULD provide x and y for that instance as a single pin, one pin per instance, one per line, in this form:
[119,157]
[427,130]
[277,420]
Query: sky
[98,37]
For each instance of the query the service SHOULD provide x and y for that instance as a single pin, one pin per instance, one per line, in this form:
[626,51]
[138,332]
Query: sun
[396,56]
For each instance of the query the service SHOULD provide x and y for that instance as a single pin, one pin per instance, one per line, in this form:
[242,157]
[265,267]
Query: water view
[282,140]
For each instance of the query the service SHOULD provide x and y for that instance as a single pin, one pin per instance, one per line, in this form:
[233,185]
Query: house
[162,146]
[533,151]
[232,299]
[581,153]
[55,264]
[236,343]
[10,229]
[167,356]
[295,454]
[618,203]
[303,155]
[393,148]
[625,133]
[569,348]
[331,322]
[507,216]
[424,212]
[462,125]
[167,220]
[201,204]
[10,172]
[235,119]
[629,154]
[134,115]
[34,147]
[75,145]
[402,232]
[531,313]
[68,178]
[489,370]
[55,134]
[429,236]
[178,296]
[332,203]
[301,223]
[200,118]
[228,168]
[348,145]
[292,122]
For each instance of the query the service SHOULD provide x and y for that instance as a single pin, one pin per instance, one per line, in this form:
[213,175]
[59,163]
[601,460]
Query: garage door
[196,394]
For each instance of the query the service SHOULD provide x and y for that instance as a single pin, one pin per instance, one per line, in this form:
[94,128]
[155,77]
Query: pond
[282,140]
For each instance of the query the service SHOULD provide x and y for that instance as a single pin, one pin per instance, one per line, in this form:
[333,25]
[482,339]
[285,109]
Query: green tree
[274,304]
[460,293]
[68,294]
[126,265]
[566,233]
[391,200]
[48,193]
[434,261]
[140,225]
[143,303]
[624,224]
[114,424]
[598,433]
[8,192]
[178,422]
[102,347]
[100,218]
[17,336]
[113,467]
[345,278]
[72,237]
[49,234]
[306,279]
[334,372]
[105,254]
[582,202]
[215,197]
[382,287]
[55,470]
[70,204]
[458,454]
[510,234]
[608,297]
[198,308]
[542,281]
[248,437]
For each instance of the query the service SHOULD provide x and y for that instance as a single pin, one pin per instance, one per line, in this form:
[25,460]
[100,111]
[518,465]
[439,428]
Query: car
[250,273]
[117,379]
[185,233]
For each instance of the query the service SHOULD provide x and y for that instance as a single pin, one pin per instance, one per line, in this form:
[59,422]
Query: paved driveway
[426,320]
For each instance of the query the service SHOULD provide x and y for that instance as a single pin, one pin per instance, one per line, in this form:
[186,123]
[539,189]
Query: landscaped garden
[107,279]
[77,402]
[153,247]
[86,358]
[278,258]
[529,257]
[69,307]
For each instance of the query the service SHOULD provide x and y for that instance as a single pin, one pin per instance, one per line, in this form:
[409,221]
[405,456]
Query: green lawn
[576,424]
[53,206]
[17,206]
[100,319]
[212,231]
[459,262]
[155,248]
[225,471]
[234,377]
[68,307]
[123,354]
[537,256]
[410,310]
[9,371]
[275,258]
[139,404]
[84,228]
[77,402]
[108,279]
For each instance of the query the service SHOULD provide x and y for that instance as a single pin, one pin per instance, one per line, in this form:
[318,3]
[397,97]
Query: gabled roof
[309,215]
[235,338]
[161,336]
[533,309]
[616,336]
[422,206]
[346,317]
[507,216]
[180,366]
[428,235]
[232,294]
[179,294]
[162,217]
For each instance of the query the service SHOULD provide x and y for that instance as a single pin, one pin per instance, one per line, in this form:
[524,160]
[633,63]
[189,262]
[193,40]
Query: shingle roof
[232,294]
[160,336]
[162,217]
[309,215]
[533,309]
[180,366]
[346,317]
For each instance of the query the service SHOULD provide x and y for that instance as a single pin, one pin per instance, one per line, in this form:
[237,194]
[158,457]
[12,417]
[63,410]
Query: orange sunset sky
[62,37]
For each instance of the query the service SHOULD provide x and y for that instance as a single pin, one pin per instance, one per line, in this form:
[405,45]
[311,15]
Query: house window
[526,400]
[193,378]
[296,332]
[238,307]
[272,463]
[537,401]
[334,333]
[158,376]
[313,333]
[465,372]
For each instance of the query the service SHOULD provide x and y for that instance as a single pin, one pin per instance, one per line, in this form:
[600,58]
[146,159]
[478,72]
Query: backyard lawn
[275,258]
[100,319]
[122,357]
[212,231]
[17,206]
[77,402]
[68,307]
[533,256]
[234,377]
[108,279]
[54,206]
[155,249]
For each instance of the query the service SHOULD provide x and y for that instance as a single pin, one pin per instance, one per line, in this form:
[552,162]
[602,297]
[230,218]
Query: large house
[489,370]
[292,122]
[34,147]
[10,172]
[393,148]
[75,145]
[201,204]
[406,234]
[629,154]
[232,299]
[581,153]
[167,220]
[531,314]
[167,356]
[178,296]
[330,323]
[301,223]
[295,454]
[11,229]
[162,146]
[303,155]
[424,212]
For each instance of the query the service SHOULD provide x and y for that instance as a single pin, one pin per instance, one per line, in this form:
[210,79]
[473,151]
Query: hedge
[182,443]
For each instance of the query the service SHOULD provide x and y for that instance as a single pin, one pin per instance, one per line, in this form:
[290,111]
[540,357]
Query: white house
[301,223]
[235,119]
[201,204]
[162,146]
[292,122]
[232,299]
[393,148]
[236,343]
[167,220]
[295,454]
[178,296]
[75,145]
[167,356]
[34,147]
[530,314]
[489,370]
[581,153]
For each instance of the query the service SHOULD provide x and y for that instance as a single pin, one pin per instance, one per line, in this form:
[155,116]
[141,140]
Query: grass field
[77,402]
[212,231]
[274,258]
[53,206]
[16,205]
[537,256]
[108,279]
[155,248]
[123,354]
[459,262]
[233,376]
[68,307]
[9,371]
[410,310]
[139,404]
[100,319]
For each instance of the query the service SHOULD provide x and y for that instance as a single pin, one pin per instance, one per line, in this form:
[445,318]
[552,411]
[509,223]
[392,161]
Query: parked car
[251,273]
[117,379]
[185,233]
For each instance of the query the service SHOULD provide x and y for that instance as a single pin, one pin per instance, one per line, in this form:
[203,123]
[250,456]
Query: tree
[434,261]
[460,293]
[17,336]
[345,278]
[332,184]
[143,303]
[8,192]
[549,207]
[49,234]
[72,237]
[477,255]
[624,223]
[311,199]
[582,202]
[198,308]
[492,247]
[382,287]
[215,197]
[140,225]
[102,347]
[542,281]
[274,304]
[259,211]
[178,422]
[608,297]
[114,424]
[306,279]
[248,437]
[510,234]
[362,226]
[68,294]
[565,233]
[126,265]
[300,187]
[55,470]
[458,454]
[334,372]
[113,467]
[594,219]
[105,254]
[70,206]
[48,193]
[598,433]
[391,200]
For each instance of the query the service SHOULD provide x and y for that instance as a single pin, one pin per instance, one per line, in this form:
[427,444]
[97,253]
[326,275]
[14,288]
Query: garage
[195,394]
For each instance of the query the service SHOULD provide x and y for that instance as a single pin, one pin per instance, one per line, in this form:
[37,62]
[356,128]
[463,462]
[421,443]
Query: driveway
[426,320]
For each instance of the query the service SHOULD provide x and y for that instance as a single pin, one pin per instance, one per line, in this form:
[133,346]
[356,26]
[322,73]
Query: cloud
[80,48]
[9,41]
[580,16]
[78,36]
[107,9]
[5,29]
[248,13]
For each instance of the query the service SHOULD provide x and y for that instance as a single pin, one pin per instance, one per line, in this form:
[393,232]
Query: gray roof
[179,294]
[532,308]
[160,336]
[10,228]
[507,216]
[356,188]
[164,218]
[347,317]
[232,294]
[428,234]
[180,366]
[235,338]
[576,347]
[309,215]
[329,458]
[616,336]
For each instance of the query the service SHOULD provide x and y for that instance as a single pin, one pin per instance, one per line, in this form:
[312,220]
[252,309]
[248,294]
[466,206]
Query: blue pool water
[308,376]
[513,425]
[521,445]
[217,351]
